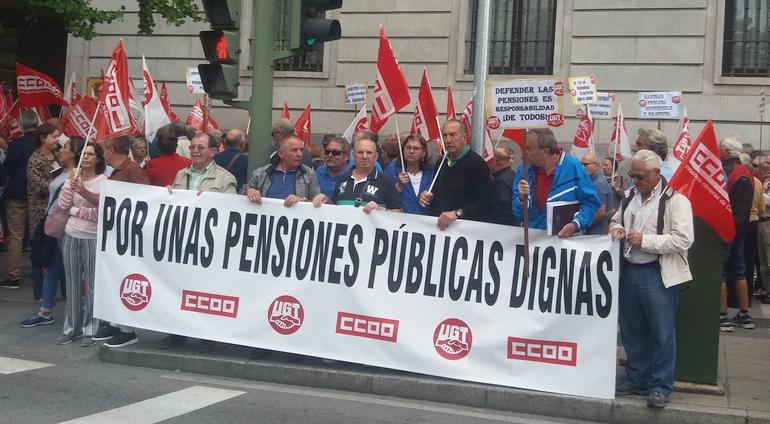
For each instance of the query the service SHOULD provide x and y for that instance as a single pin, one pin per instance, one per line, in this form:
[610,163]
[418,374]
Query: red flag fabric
[466,117]
[166,105]
[43,113]
[10,125]
[516,135]
[682,144]
[619,145]
[701,179]
[391,91]
[581,143]
[78,120]
[115,117]
[450,104]
[195,118]
[36,88]
[425,114]
[285,111]
[302,126]
[71,95]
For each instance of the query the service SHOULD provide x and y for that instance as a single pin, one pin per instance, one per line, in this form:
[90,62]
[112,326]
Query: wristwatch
[459,213]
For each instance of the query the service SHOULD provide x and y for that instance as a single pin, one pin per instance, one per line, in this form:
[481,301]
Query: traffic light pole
[261,102]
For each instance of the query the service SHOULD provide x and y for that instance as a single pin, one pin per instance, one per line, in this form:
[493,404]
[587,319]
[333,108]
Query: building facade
[714,51]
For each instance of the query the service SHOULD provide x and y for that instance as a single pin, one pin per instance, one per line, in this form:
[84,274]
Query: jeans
[52,279]
[648,327]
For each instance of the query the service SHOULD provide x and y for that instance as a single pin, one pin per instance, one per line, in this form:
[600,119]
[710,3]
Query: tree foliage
[80,16]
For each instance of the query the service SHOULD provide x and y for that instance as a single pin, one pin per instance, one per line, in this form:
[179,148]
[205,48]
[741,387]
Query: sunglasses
[333,152]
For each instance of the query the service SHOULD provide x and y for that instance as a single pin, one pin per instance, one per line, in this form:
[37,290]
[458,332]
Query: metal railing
[746,38]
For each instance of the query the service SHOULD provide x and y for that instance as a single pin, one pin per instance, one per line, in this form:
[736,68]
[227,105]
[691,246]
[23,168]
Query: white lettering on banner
[526,103]
[704,165]
[30,84]
[384,289]
[80,121]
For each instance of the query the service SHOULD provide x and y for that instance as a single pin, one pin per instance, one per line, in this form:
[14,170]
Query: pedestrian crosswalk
[13,365]
[161,408]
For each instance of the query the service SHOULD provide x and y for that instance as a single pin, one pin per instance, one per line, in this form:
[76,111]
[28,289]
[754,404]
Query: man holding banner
[657,225]
[463,186]
[553,176]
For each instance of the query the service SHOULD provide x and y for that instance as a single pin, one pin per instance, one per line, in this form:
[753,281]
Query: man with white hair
[740,189]
[653,139]
[656,223]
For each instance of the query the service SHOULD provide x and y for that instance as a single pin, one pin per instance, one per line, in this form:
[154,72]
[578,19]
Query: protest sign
[194,82]
[386,289]
[355,94]
[602,107]
[526,103]
[660,105]
[582,90]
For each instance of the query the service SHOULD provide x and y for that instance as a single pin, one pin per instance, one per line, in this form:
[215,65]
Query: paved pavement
[744,373]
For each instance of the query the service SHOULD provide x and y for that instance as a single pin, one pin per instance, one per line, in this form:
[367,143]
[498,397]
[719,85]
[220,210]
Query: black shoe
[106,333]
[657,400]
[10,284]
[121,339]
[172,341]
[626,389]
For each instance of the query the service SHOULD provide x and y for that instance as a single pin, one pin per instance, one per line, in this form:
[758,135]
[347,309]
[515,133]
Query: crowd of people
[49,179]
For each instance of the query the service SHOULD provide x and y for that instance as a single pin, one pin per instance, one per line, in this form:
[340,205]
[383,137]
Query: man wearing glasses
[656,223]
[551,177]
[337,153]
[593,167]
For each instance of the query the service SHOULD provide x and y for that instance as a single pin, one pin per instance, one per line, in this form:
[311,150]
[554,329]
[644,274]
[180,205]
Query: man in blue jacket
[551,177]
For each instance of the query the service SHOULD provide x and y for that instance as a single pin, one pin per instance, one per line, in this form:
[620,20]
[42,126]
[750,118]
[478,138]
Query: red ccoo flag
[78,120]
[166,105]
[450,104]
[425,115]
[114,118]
[516,135]
[302,126]
[701,179]
[285,111]
[36,88]
[391,91]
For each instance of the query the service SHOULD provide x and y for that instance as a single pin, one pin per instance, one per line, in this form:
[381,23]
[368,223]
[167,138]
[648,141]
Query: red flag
[195,118]
[516,135]
[619,145]
[701,179]
[682,144]
[114,118]
[71,95]
[166,106]
[581,144]
[450,104]
[425,114]
[10,123]
[302,126]
[36,88]
[78,120]
[285,111]
[391,91]
[465,118]
[43,113]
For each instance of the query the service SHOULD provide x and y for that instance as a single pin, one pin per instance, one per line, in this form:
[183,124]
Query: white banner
[194,82]
[355,93]
[602,108]
[525,103]
[660,105]
[385,289]
[582,90]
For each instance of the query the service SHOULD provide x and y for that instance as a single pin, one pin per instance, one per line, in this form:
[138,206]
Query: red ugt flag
[115,118]
[36,88]
[391,92]
[425,114]
[302,126]
[701,179]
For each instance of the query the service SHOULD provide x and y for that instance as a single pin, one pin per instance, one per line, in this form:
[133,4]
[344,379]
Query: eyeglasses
[638,176]
[198,147]
[413,148]
[333,152]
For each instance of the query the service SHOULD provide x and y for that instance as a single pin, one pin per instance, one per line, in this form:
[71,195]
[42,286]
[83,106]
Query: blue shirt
[606,198]
[282,184]
[326,182]
[410,200]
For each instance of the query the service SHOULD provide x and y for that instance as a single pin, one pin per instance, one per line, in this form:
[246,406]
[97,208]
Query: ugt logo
[285,315]
[135,292]
[453,339]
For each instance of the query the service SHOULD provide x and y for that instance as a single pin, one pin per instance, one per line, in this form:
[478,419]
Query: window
[746,39]
[521,37]
[307,61]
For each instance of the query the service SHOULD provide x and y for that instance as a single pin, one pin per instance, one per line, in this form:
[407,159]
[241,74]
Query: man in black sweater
[463,188]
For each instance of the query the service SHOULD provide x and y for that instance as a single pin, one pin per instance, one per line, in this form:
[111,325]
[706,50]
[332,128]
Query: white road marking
[161,408]
[520,418]
[13,365]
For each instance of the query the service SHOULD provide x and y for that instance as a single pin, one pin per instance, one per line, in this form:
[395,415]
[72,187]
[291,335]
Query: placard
[582,90]
[660,105]
[355,94]
[526,103]
[194,83]
[602,107]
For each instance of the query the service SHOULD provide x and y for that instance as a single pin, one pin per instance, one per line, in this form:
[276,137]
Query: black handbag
[44,247]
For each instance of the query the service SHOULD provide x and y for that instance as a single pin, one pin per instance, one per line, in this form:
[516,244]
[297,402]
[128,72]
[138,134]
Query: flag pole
[443,158]
[8,112]
[525,211]
[498,141]
[398,136]
[617,141]
[205,112]
[88,137]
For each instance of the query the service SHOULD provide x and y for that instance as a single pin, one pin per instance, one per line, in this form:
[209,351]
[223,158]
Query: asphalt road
[41,382]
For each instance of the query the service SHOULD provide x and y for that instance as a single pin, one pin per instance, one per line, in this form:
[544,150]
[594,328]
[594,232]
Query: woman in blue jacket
[417,177]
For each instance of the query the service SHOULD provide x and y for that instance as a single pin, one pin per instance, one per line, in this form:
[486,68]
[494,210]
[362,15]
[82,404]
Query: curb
[383,382]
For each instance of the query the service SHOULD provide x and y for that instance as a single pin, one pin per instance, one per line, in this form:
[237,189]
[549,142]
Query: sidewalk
[744,374]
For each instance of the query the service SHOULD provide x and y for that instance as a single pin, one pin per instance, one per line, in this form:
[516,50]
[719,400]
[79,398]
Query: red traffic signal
[220,46]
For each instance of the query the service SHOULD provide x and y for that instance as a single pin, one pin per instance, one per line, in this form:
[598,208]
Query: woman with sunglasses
[417,176]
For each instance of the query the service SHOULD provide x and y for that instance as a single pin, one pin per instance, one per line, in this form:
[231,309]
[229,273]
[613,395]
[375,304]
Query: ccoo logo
[453,339]
[135,292]
[285,315]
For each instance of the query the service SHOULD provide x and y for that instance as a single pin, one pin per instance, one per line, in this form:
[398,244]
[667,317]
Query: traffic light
[314,28]
[221,47]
